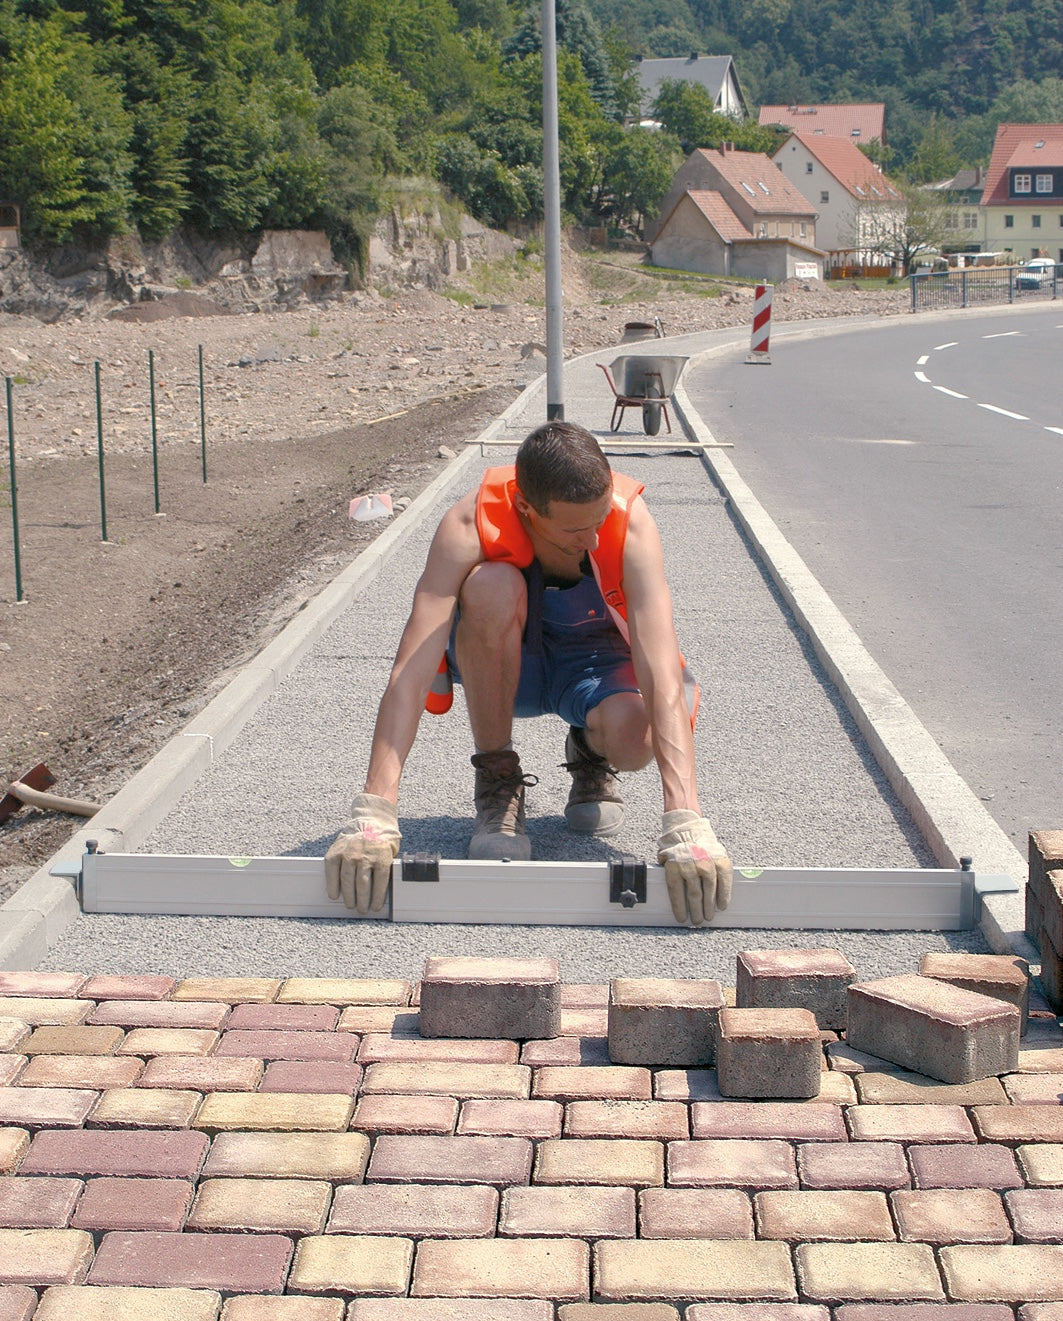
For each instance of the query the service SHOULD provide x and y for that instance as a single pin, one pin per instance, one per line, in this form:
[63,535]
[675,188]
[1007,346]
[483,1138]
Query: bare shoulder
[643,542]
[456,545]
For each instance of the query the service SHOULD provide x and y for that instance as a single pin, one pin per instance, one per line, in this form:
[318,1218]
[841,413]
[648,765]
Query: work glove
[358,864]
[696,868]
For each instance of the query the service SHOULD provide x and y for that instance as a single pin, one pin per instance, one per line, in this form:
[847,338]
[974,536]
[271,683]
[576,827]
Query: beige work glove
[358,864]
[696,867]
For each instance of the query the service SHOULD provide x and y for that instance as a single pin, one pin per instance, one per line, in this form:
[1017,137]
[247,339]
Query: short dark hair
[562,461]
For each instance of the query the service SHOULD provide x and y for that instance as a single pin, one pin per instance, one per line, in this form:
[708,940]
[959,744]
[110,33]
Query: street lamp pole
[555,406]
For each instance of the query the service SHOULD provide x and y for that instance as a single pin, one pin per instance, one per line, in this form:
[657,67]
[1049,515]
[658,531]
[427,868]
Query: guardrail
[976,285]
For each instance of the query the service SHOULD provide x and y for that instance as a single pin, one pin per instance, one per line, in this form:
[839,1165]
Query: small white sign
[806,270]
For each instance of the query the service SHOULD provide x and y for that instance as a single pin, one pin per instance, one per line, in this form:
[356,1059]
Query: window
[952,221]
[808,167]
[1035,221]
[1009,222]
[970,219]
[824,196]
[1021,183]
[804,229]
[1044,183]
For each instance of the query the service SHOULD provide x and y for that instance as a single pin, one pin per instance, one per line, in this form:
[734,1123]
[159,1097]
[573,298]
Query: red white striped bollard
[758,345]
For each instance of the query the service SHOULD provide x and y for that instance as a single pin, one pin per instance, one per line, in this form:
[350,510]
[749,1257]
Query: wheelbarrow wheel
[651,412]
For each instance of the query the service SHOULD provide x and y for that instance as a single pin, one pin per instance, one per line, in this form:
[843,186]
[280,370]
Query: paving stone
[94,1073]
[768,1053]
[417,1210]
[1041,1050]
[880,1272]
[908,1123]
[1042,1164]
[616,1082]
[1034,914]
[445,1309]
[283,1018]
[1051,901]
[762,1312]
[174,1155]
[617,1312]
[1045,855]
[806,1121]
[339,1157]
[281,1045]
[905,1088]
[1051,970]
[198,1073]
[712,1163]
[940,1216]
[585,995]
[271,1206]
[352,1264]
[228,990]
[379,1047]
[17,1302]
[812,1216]
[10,1068]
[258,1307]
[844,1058]
[34,984]
[87,1303]
[856,1165]
[1041,1312]
[128,986]
[14,1143]
[235,1263]
[631,1119]
[986,1165]
[526,1119]
[141,1107]
[160,1013]
[583,1023]
[692,1269]
[45,1203]
[73,1040]
[811,979]
[586,1051]
[556,1269]
[567,1212]
[317,1077]
[1034,1088]
[922,1312]
[45,1012]
[45,1107]
[274,1112]
[137,1204]
[489,1160]
[663,1022]
[1003,976]
[1036,1214]
[934,1028]
[39,1257]
[429,1115]
[13,1032]
[1011,1273]
[606,1162]
[686,1085]
[513,999]
[395,1020]
[1018,1123]
[456,1079]
[150,1041]
[694,1213]
[345,991]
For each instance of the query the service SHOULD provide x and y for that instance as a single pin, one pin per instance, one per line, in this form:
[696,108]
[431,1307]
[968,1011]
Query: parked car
[1037,273]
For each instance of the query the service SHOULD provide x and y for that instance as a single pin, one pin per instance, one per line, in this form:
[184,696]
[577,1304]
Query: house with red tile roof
[1023,197]
[855,200]
[859,123]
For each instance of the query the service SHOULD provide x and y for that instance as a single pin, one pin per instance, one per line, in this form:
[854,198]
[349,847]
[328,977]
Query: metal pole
[555,406]
[99,453]
[154,427]
[202,416]
[14,489]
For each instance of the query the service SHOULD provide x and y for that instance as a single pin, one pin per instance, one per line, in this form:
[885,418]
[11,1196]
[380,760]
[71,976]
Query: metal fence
[978,285]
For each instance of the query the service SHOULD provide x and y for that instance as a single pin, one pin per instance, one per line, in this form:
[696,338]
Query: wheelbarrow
[646,383]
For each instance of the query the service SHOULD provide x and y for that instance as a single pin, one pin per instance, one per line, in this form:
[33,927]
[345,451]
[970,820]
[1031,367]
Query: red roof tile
[866,122]
[719,215]
[1015,145]
[761,183]
[848,164]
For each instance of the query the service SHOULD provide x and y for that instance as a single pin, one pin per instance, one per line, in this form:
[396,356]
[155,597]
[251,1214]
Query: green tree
[638,170]
[578,33]
[936,157]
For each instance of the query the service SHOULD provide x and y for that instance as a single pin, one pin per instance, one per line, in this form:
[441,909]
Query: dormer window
[763,188]
[1044,183]
[1022,183]
[748,189]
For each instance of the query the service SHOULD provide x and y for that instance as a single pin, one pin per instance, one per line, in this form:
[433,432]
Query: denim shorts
[582,658]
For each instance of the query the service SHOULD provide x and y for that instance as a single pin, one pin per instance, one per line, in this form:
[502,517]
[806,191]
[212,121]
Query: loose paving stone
[1002,976]
[906,1123]
[633,1119]
[45,1203]
[446,1309]
[45,1107]
[88,1303]
[844,1058]
[270,1206]
[14,1143]
[45,1012]
[448,1079]
[940,1216]
[320,1077]
[1019,1123]
[552,1268]
[806,1121]
[1041,1165]
[17,1302]
[856,1165]
[415,1210]
[984,1166]
[228,990]
[1012,1273]
[379,1047]
[663,1022]
[606,1162]
[712,1163]
[884,1272]
[1031,1088]
[131,986]
[39,1257]
[813,979]
[615,1082]
[257,1307]
[95,1073]
[338,1157]
[571,1212]
[132,1107]
[692,1269]
[265,1044]
[811,1216]
[235,1263]
[195,1073]
[277,1112]
[488,1160]
[426,1115]
[80,1040]
[905,1088]
[1036,1214]
[694,1213]
[515,999]
[525,1119]
[135,1204]
[41,984]
[345,991]
[768,1053]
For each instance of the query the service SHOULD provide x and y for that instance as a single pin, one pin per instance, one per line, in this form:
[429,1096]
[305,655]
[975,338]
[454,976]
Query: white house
[1023,197]
[716,73]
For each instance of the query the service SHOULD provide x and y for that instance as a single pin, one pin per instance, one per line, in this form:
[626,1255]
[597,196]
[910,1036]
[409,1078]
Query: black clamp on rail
[627,881]
[420,866]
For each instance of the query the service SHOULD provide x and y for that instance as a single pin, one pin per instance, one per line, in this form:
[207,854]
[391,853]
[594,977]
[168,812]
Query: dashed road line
[1004,412]
[953,394]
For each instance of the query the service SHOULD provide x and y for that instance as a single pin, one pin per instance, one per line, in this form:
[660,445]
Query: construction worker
[544,591]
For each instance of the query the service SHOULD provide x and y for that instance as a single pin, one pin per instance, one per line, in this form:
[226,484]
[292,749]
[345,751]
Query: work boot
[499,793]
[594,806]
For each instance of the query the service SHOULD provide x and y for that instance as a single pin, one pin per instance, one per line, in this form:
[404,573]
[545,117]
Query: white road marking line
[953,394]
[921,362]
[1056,430]
[950,345]
[1003,334]
[920,376]
[1018,417]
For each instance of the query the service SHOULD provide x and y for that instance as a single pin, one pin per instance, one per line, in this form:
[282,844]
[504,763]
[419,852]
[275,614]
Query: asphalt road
[917,468]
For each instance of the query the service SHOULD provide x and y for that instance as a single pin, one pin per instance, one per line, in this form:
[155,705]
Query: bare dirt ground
[119,642]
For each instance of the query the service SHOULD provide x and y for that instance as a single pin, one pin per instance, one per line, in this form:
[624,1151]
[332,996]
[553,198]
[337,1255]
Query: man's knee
[619,730]
[495,594]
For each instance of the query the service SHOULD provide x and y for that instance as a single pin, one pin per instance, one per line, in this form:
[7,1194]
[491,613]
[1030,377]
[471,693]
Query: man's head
[562,461]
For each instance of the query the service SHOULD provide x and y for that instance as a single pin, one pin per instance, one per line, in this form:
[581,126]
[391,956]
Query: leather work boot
[594,806]
[499,793]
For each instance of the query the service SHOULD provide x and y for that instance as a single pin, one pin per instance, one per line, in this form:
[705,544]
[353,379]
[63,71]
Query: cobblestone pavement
[257,1149]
